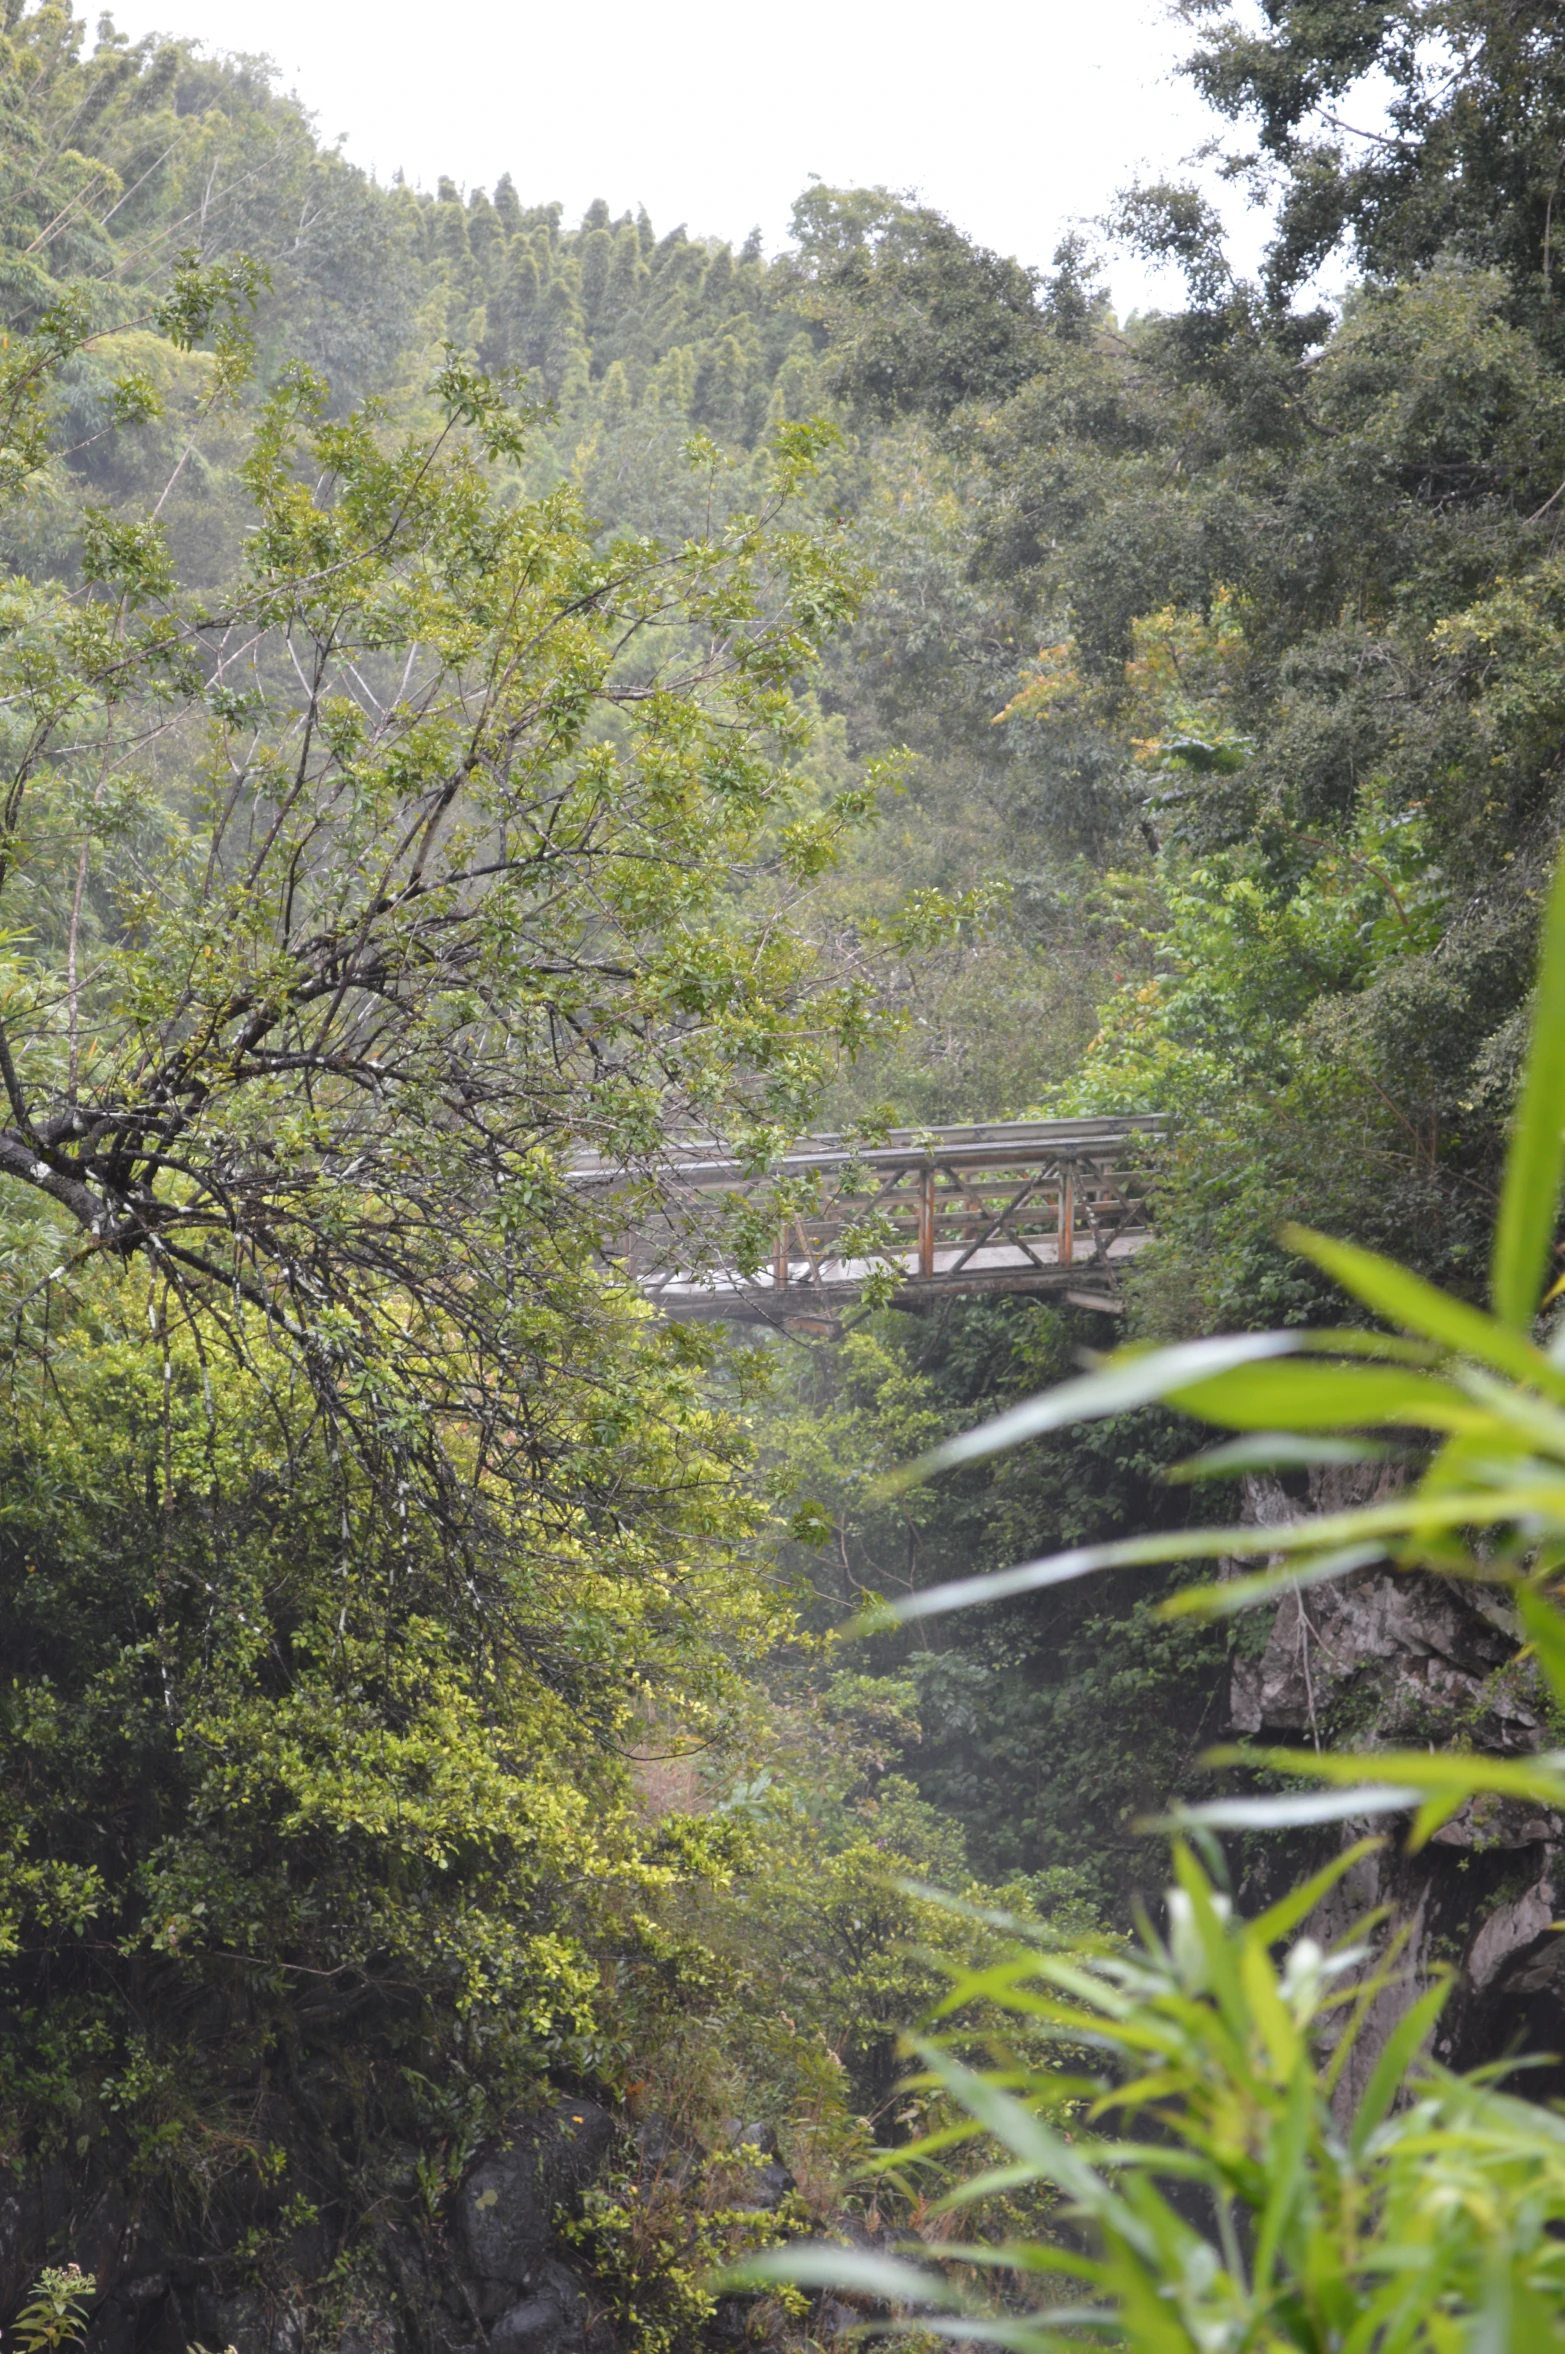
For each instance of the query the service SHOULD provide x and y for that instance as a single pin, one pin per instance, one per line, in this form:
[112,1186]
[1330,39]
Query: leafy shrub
[1244,2211]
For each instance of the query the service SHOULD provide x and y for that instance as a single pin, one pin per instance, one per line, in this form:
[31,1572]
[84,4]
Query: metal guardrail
[1002,1206]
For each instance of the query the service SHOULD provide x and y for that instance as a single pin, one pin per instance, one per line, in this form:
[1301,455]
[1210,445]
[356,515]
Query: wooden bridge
[1014,1206]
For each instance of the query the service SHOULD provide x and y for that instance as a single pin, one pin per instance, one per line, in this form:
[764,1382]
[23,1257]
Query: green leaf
[1417,1513]
[1287,2172]
[1231,1595]
[1016,2127]
[1124,1381]
[1431,1775]
[1391,2068]
[1024,2337]
[1308,1396]
[1545,1628]
[1282,1918]
[1529,1202]
[1211,1931]
[1288,1811]
[1272,1450]
[1406,1299]
[820,2265]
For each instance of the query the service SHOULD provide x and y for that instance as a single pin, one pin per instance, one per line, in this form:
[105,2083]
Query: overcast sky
[1014,117]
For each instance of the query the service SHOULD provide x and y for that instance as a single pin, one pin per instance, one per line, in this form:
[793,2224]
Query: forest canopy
[484,698]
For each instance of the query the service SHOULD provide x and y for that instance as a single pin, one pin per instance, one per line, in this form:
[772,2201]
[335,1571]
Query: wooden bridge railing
[1022,1205]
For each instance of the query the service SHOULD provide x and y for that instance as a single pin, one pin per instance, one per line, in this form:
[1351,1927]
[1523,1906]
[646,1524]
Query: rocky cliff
[1382,1658]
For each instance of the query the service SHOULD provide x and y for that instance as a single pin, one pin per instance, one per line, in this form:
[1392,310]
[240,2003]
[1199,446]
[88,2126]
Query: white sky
[1013,119]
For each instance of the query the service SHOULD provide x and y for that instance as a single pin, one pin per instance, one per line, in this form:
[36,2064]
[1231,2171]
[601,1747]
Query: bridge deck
[1014,1206]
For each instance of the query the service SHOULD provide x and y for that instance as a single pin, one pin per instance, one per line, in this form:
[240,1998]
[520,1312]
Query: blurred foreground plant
[1249,2213]
[1240,2207]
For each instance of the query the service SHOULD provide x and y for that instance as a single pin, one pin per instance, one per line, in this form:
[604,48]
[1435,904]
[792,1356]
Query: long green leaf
[1416,1513]
[1272,1450]
[1029,2337]
[1231,1595]
[1290,1810]
[820,2265]
[1406,2038]
[1123,1382]
[1287,2170]
[1282,1918]
[1211,1932]
[1012,2255]
[1529,1201]
[1406,1299]
[1435,1773]
[1546,1632]
[1019,2130]
[1306,1396]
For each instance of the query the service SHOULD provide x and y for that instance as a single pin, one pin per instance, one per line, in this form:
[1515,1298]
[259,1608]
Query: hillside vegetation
[477,689]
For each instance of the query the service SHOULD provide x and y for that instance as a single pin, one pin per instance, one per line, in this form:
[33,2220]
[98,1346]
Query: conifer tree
[484,229]
[511,309]
[628,277]
[559,347]
[594,254]
[507,205]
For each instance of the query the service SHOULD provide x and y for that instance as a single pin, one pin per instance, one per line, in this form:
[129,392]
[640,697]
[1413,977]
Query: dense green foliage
[380,834]
[1423,2209]
[387,824]
[476,690]
[1236,2207]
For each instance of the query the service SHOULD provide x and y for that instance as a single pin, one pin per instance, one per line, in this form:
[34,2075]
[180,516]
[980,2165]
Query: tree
[921,319]
[1468,160]
[363,901]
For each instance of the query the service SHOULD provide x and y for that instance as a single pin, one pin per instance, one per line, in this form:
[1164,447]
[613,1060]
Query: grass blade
[1289,1810]
[1123,1382]
[1545,1630]
[820,2264]
[1308,1396]
[1406,1299]
[1406,2038]
[1529,1202]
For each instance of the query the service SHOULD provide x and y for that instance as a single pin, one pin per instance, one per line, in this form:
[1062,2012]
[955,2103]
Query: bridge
[1052,1206]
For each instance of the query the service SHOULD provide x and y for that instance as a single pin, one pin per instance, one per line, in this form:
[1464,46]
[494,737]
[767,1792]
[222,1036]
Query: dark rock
[1433,1653]
[1488,1821]
[555,2318]
[1422,1647]
[1415,1660]
[167,2281]
[101,2241]
[527,2328]
[759,2182]
[763,2190]
[506,2203]
[1512,1928]
[668,2158]
[250,2324]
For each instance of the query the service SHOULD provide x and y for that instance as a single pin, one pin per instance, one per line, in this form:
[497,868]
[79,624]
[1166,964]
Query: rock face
[555,2316]
[490,2273]
[754,2180]
[487,2268]
[527,2300]
[1385,1659]
[1417,1654]
[506,2205]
